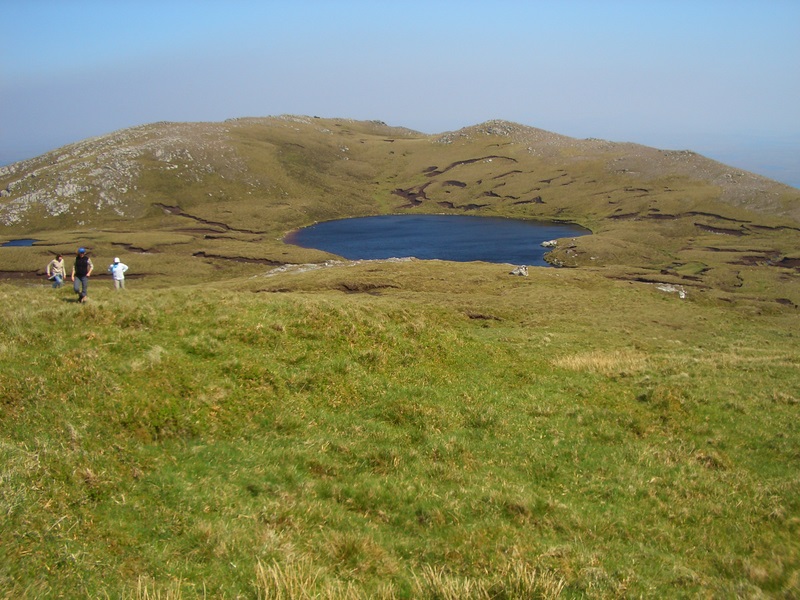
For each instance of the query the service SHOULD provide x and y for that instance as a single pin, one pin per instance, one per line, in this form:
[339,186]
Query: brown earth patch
[415,196]
[514,172]
[365,287]
[433,171]
[789,263]
[482,316]
[178,211]
[131,248]
[241,259]
[534,200]
[721,230]
[21,275]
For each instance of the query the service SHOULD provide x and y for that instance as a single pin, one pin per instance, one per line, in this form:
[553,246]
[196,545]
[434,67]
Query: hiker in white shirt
[117,271]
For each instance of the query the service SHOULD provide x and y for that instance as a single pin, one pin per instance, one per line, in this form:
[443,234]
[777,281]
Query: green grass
[453,433]
[397,430]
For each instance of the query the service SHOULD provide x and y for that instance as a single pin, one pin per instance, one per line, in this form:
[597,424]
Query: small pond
[457,238]
[20,242]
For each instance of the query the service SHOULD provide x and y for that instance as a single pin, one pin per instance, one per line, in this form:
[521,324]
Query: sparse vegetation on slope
[224,194]
[256,420]
[449,433]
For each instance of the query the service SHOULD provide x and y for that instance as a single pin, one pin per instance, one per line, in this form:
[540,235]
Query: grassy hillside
[256,420]
[204,200]
[397,430]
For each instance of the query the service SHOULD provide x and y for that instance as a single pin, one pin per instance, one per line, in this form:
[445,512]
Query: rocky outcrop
[101,175]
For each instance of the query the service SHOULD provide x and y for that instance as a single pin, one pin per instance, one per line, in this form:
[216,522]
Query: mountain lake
[19,242]
[458,238]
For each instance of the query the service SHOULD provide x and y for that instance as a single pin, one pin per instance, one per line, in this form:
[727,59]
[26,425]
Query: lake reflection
[445,237]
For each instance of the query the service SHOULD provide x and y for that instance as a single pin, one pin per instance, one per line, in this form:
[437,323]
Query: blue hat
[81,250]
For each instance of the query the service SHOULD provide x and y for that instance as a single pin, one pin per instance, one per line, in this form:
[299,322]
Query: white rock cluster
[99,174]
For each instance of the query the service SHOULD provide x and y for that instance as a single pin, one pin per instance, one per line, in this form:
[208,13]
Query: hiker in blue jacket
[81,271]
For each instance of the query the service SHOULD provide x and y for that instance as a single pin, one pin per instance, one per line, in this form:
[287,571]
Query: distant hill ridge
[102,174]
[647,208]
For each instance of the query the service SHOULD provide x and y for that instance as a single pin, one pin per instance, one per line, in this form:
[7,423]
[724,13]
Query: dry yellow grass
[604,362]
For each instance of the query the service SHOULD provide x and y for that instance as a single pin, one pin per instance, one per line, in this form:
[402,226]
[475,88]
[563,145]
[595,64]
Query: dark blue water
[21,242]
[444,237]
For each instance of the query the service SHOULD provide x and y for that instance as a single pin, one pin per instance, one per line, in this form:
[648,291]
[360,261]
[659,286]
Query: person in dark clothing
[81,271]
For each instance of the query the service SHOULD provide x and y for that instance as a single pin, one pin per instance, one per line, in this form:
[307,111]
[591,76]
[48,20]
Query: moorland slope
[215,199]
[250,419]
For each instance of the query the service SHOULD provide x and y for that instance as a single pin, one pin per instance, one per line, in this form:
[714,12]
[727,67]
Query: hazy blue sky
[721,77]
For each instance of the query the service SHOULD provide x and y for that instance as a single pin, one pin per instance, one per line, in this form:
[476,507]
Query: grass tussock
[148,590]
[603,362]
[298,581]
[276,437]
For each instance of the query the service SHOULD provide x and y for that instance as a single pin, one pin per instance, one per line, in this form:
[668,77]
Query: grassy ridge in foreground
[462,434]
